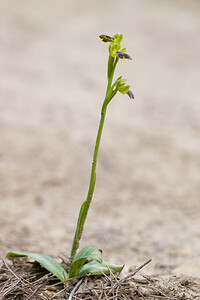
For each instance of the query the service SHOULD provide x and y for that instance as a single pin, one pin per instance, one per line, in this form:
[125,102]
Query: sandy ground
[52,83]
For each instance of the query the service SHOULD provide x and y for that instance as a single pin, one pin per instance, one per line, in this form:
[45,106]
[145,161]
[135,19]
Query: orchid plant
[87,260]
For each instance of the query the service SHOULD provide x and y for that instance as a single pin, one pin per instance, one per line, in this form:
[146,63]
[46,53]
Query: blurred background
[52,84]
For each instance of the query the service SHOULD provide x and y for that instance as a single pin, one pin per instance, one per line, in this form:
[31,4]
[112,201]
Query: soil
[52,83]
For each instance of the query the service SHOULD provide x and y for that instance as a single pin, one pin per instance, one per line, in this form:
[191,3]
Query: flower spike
[86,261]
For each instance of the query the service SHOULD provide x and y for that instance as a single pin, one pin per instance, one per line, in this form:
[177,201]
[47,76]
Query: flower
[123,88]
[115,47]
[116,52]
[114,42]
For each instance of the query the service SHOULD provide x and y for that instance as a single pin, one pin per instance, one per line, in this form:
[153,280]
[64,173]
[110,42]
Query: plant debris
[20,279]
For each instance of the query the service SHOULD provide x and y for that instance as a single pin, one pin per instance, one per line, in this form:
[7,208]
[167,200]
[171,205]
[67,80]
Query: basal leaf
[77,264]
[85,251]
[94,267]
[46,261]
[95,257]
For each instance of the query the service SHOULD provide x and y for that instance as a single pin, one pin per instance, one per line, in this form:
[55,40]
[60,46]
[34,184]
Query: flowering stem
[112,62]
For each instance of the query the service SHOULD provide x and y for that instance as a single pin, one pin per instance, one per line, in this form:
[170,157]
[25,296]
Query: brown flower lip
[130,94]
[123,55]
[106,38]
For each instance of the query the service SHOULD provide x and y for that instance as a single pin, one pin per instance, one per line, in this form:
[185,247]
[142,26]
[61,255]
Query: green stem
[86,204]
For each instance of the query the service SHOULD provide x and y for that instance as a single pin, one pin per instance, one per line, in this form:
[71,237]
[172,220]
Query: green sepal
[118,38]
[121,81]
[117,81]
[123,50]
[124,89]
[113,48]
[115,45]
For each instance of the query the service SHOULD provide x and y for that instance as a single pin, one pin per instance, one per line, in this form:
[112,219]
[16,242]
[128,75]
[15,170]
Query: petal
[106,38]
[123,55]
[130,94]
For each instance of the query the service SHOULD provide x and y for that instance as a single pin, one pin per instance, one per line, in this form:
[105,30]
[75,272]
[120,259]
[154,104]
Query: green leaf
[77,265]
[93,267]
[81,257]
[95,257]
[79,228]
[46,261]
[120,38]
[85,251]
